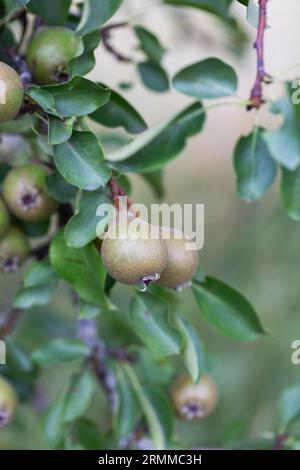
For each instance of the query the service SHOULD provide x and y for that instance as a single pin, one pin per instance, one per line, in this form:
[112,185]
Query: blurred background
[254,247]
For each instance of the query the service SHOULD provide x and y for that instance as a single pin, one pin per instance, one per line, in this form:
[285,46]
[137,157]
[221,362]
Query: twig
[87,331]
[10,322]
[137,440]
[116,192]
[256,97]
[106,39]
[279,441]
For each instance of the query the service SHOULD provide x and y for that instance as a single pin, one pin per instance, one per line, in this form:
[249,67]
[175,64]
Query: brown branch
[106,40]
[256,97]
[10,322]
[117,191]
[87,331]
[279,441]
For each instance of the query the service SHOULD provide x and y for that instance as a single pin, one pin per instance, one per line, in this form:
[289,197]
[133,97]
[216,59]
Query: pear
[181,262]
[135,253]
[11,93]
[8,402]
[14,248]
[193,401]
[49,52]
[25,193]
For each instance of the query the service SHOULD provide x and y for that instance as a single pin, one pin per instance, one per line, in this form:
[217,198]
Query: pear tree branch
[106,41]
[256,97]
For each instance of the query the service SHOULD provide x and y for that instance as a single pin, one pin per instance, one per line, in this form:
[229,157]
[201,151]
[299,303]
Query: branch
[279,441]
[106,39]
[10,322]
[117,191]
[256,97]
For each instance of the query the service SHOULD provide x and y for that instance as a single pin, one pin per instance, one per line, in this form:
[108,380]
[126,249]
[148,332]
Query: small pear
[11,93]
[194,401]
[49,52]
[8,402]
[25,193]
[135,253]
[14,248]
[181,262]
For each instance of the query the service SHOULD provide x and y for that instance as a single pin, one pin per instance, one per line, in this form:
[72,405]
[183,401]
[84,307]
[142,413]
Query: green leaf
[95,14]
[210,79]
[156,409]
[88,311]
[227,311]
[53,13]
[153,369]
[39,273]
[155,180]
[156,147]
[284,143]
[255,168]
[84,63]
[119,113]
[86,224]
[34,296]
[216,7]
[61,350]
[22,2]
[81,267]
[44,99]
[59,189]
[149,44]
[53,426]
[18,359]
[79,396]
[153,76]
[81,162]
[148,316]
[127,409]
[192,352]
[253,13]
[37,229]
[290,192]
[59,131]
[77,97]
[290,405]
[39,285]
[88,433]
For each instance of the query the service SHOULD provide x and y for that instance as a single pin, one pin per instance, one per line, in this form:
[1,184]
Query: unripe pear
[133,256]
[14,149]
[181,262]
[49,52]
[11,93]
[25,193]
[193,401]
[14,248]
[8,402]
[4,218]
